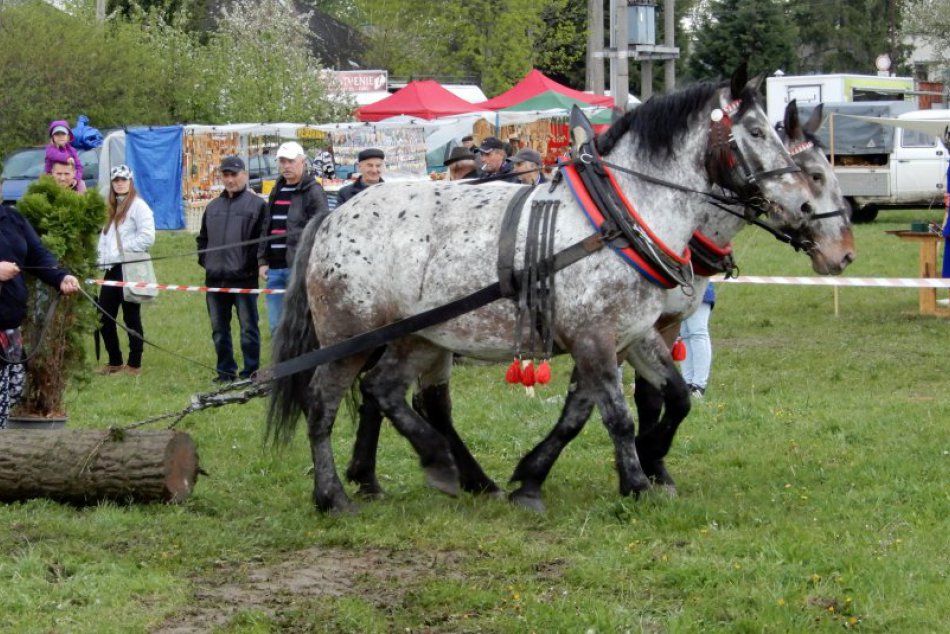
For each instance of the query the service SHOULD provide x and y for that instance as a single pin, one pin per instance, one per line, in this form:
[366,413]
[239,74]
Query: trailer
[839,87]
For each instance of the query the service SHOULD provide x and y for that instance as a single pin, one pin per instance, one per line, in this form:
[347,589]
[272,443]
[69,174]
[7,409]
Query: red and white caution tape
[877,282]
[191,289]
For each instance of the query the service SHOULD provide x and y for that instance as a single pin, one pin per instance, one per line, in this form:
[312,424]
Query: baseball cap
[232,164]
[370,153]
[490,143]
[120,171]
[59,128]
[290,150]
[527,154]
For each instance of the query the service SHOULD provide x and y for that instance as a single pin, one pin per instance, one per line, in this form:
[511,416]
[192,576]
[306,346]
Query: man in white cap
[297,197]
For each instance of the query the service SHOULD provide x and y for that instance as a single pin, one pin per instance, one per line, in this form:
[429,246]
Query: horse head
[747,156]
[827,232]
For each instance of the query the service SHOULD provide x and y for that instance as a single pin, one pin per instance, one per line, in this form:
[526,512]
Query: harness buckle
[586,158]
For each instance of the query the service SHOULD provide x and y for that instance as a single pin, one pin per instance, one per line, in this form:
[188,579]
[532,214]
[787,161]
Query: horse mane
[660,120]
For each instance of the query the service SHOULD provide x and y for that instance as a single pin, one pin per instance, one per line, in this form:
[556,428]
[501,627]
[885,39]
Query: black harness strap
[507,241]
[390,332]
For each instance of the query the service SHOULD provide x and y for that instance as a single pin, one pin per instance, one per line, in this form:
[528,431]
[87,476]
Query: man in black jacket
[370,164]
[234,217]
[297,197]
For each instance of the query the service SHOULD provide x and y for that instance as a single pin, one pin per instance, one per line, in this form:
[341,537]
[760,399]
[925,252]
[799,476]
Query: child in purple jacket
[60,149]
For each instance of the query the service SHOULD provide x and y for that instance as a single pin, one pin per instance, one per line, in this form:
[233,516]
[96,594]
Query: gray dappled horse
[402,248]
[830,220]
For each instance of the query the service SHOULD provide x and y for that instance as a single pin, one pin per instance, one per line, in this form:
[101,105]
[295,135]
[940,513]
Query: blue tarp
[157,153]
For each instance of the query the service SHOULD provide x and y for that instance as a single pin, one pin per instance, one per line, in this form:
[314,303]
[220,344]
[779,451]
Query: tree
[930,20]
[262,67]
[846,35]
[732,30]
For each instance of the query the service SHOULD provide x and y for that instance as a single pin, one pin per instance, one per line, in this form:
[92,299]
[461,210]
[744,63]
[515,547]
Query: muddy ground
[379,577]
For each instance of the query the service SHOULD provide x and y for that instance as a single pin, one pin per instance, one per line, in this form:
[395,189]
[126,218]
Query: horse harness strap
[508,240]
[597,192]
[381,336]
[709,258]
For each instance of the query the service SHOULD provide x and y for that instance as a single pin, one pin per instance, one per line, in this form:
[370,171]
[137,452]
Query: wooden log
[84,466]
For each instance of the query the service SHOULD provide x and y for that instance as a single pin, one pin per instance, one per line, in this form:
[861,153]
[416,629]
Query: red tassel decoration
[527,375]
[513,375]
[543,375]
[679,350]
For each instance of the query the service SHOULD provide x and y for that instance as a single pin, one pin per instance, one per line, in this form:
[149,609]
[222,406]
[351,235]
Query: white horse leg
[327,388]
[387,383]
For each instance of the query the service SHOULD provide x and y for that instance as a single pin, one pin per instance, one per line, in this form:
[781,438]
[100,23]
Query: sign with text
[362,80]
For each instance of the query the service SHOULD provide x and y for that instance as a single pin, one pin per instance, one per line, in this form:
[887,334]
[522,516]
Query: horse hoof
[665,490]
[532,503]
[370,492]
[337,506]
[487,489]
[444,479]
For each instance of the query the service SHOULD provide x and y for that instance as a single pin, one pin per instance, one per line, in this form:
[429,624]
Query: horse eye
[757,133]
[818,177]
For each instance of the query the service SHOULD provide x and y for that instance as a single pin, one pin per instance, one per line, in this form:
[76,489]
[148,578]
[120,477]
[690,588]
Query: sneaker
[110,369]
[697,392]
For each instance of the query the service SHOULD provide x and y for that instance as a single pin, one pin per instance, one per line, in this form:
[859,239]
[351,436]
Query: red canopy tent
[424,99]
[536,83]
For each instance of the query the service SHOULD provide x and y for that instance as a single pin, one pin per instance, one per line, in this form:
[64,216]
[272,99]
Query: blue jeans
[695,334]
[219,310]
[276,279]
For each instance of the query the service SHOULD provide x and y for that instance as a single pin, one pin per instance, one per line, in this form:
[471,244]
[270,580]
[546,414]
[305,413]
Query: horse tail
[294,336]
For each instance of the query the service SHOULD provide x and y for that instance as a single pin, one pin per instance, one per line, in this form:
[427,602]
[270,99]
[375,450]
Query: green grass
[813,494]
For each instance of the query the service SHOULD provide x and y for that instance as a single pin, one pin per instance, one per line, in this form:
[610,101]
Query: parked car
[261,167]
[23,166]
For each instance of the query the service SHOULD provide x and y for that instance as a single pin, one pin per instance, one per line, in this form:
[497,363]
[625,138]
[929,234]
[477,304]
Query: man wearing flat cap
[495,163]
[370,164]
[236,216]
[528,166]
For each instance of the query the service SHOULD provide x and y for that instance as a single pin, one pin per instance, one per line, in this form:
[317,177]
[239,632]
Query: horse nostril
[807,208]
[848,258]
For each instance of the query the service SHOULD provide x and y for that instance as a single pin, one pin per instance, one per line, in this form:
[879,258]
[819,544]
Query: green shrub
[69,225]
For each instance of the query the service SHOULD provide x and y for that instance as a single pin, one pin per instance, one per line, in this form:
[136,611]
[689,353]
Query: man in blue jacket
[236,216]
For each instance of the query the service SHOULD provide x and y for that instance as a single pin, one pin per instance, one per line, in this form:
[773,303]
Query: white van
[881,166]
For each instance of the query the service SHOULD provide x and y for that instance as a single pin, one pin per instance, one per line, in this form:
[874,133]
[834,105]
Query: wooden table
[928,243]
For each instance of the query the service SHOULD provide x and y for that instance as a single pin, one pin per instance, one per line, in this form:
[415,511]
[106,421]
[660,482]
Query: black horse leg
[326,390]
[434,403]
[533,468]
[387,383]
[659,388]
[362,469]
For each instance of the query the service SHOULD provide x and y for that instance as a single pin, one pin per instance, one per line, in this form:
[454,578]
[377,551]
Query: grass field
[813,493]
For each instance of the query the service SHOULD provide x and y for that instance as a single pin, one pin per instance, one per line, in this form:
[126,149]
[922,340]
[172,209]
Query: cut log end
[181,467]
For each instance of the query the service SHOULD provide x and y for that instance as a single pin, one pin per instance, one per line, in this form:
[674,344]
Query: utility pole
[595,44]
[619,64]
[100,10]
[633,37]
[669,35]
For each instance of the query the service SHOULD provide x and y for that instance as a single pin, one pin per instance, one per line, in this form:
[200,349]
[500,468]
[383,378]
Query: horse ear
[814,121]
[792,123]
[755,83]
[740,78]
